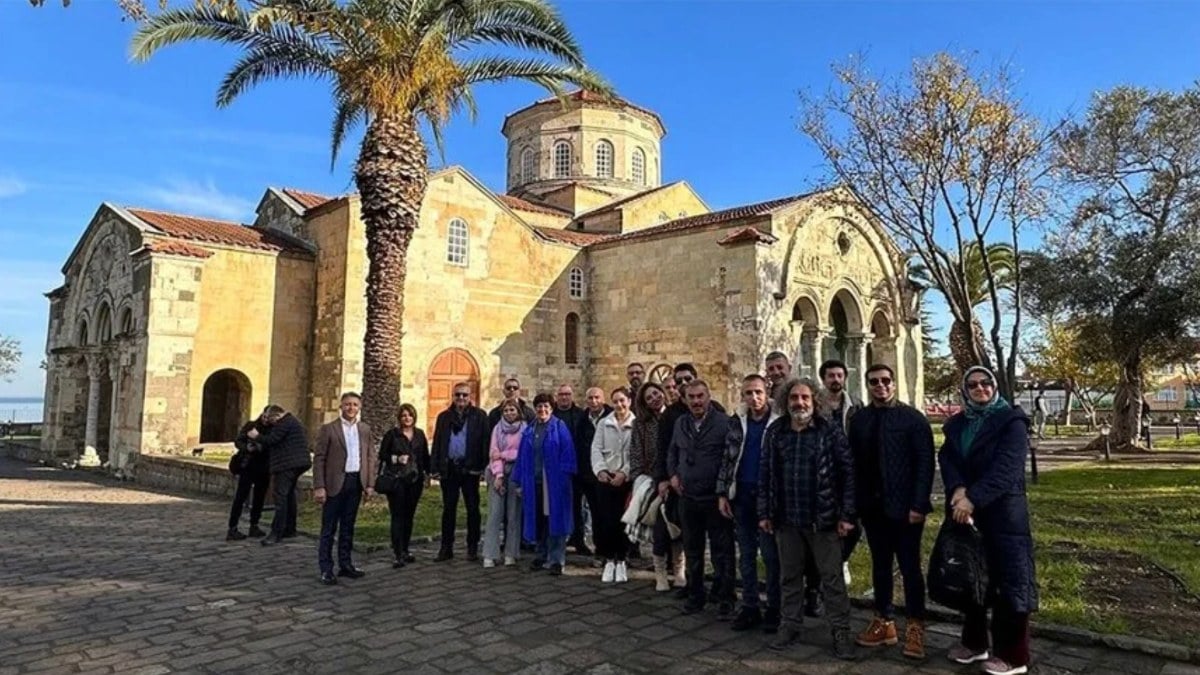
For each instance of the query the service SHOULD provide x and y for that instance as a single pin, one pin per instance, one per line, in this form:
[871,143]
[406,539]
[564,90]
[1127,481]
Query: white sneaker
[509,562]
[488,563]
[846,573]
[609,572]
[622,574]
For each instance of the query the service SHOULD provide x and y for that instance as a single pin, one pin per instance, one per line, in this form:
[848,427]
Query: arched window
[575,283]
[604,159]
[104,326]
[528,165]
[456,243]
[639,166]
[126,322]
[81,333]
[562,159]
[571,338]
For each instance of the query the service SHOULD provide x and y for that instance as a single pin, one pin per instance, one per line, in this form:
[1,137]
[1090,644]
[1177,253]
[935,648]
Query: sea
[21,409]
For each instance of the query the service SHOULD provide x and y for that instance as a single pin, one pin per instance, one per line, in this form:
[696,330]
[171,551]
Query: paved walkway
[97,577]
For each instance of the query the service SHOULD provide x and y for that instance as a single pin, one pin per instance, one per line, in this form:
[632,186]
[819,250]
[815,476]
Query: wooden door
[448,369]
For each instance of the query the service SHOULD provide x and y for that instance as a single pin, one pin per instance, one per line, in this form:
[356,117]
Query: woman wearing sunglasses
[983,467]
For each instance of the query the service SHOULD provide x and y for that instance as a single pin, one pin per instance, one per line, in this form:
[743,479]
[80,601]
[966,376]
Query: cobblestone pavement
[98,577]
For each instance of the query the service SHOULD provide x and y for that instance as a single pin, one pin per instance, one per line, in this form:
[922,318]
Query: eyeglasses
[980,384]
[458,395]
[877,381]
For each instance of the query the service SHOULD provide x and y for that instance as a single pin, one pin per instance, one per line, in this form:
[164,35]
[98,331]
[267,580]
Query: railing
[11,429]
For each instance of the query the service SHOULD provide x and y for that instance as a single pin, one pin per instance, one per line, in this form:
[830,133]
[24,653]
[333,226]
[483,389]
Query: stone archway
[225,406]
[448,369]
[846,340]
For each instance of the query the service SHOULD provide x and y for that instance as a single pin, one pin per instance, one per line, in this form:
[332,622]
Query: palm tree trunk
[391,178]
[968,352]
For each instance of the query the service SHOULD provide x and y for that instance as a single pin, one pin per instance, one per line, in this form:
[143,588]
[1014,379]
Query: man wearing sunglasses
[893,458]
[512,392]
[460,453]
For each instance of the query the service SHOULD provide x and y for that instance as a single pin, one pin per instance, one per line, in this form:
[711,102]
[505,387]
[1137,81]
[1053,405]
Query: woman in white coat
[610,462]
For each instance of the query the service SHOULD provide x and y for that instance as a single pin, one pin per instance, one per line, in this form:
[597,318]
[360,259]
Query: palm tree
[395,65]
[1003,260]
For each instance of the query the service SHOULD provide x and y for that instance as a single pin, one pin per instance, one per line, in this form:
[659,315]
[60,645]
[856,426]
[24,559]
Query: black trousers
[255,482]
[402,506]
[284,493]
[703,521]
[1010,633]
[896,541]
[611,541]
[456,481]
[337,518]
[584,489]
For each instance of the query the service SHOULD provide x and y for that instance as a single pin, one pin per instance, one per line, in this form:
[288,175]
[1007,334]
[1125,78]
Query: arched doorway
[226,405]
[448,369]
[882,348]
[844,341]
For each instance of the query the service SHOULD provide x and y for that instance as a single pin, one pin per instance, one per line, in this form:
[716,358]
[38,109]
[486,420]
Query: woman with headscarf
[983,468]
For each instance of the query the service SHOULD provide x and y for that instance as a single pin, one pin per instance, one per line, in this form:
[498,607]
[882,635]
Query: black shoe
[770,624]
[786,640]
[443,555]
[398,563]
[270,540]
[256,532]
[725,611]
[582,549]
[537,565]
[472,556]
[746,619]
[351,572]
[288,535]
[556,570]
[409,558]
[234,535]
[690,607]
[843,646]
[814,604]
[683,593]
[328,579]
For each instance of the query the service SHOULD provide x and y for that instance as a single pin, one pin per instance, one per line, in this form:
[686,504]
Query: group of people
[794,474]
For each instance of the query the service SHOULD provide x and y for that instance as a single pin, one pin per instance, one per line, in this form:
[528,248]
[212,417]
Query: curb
[1072,636]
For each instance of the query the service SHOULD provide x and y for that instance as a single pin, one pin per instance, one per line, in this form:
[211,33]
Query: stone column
[116,459]
[811,344]
[856,361]
[90,458]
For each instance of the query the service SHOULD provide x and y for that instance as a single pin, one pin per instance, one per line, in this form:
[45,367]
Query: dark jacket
[495,414]
[666,430]
[582,436]
[643,446]
[287,445]
[695,455]
[833,482]
[893,460]
[994,476]
[395,445]
[478,437]
[257,460]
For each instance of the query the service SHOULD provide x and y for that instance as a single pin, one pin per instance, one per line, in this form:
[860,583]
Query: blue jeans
[750,541]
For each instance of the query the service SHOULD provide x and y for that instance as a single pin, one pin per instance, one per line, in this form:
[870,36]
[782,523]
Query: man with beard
[575,419]
[806,500]
[636,374]
[460,453]
[839,406]
[893,458]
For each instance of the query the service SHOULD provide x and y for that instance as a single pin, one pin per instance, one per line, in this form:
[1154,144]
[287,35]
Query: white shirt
[350,431]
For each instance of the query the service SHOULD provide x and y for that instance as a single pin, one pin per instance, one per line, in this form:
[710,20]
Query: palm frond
[346,115]
[294,60]
[531,25]
[190,24]
[551,76]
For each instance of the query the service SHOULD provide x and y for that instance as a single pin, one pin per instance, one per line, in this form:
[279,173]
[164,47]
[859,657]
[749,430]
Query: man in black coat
[579,423]
[684,374]
[512,392]
[460,453]
[893,458]
[286,444]
[251,464]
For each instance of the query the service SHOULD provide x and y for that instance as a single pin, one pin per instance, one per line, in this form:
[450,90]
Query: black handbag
[386,483]
[958,575]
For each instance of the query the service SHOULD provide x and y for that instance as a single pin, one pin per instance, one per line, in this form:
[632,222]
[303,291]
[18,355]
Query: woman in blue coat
[545,465]
[983,467]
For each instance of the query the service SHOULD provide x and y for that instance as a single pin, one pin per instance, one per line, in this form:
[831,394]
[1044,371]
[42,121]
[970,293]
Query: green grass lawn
[1185,442]
[374,523]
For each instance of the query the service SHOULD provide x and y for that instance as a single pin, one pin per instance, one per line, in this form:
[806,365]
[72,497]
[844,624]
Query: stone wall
[174,285]
[336,339]
[196,476]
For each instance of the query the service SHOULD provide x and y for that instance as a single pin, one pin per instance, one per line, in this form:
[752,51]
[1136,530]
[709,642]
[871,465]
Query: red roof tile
[309,200]
[747,234]
[524,205]
[713,218]
[174,247]
[570,236]
[215,231]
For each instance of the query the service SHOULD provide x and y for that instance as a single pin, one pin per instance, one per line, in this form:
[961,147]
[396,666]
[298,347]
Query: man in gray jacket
[694,457]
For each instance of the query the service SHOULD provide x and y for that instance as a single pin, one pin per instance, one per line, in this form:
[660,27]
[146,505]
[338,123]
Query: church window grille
[456,243]
[575,283]
[604,159]
[639,166]
[562,159]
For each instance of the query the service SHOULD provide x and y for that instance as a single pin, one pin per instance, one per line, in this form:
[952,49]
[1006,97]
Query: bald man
[585,480]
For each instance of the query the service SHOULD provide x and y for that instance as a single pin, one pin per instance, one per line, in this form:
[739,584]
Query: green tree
[944,159]
[393,65]
[1074,352]
[941,378]
[10,356]
[1127,255]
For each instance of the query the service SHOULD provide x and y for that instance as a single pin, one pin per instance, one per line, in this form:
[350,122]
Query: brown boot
[881,632]
[914,639]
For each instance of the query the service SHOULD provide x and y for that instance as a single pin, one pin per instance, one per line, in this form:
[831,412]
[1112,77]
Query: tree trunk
[391,175]
[966,354]
[1127,405]
[1066,417]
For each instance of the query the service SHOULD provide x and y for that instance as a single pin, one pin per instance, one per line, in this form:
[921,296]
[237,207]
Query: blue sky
[80,124]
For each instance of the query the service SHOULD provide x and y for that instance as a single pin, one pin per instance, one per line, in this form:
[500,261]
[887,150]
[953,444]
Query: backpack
[958,576]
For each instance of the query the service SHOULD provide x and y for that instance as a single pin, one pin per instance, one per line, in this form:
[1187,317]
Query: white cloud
[11,186]
[198,198]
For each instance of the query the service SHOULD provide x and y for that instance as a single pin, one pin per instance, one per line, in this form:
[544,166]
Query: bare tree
[10,356]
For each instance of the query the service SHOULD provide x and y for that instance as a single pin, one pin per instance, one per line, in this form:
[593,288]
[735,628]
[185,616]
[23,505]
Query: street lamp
[1105,430]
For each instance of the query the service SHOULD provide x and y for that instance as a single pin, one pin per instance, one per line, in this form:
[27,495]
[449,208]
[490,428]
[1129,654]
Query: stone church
[170,330]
